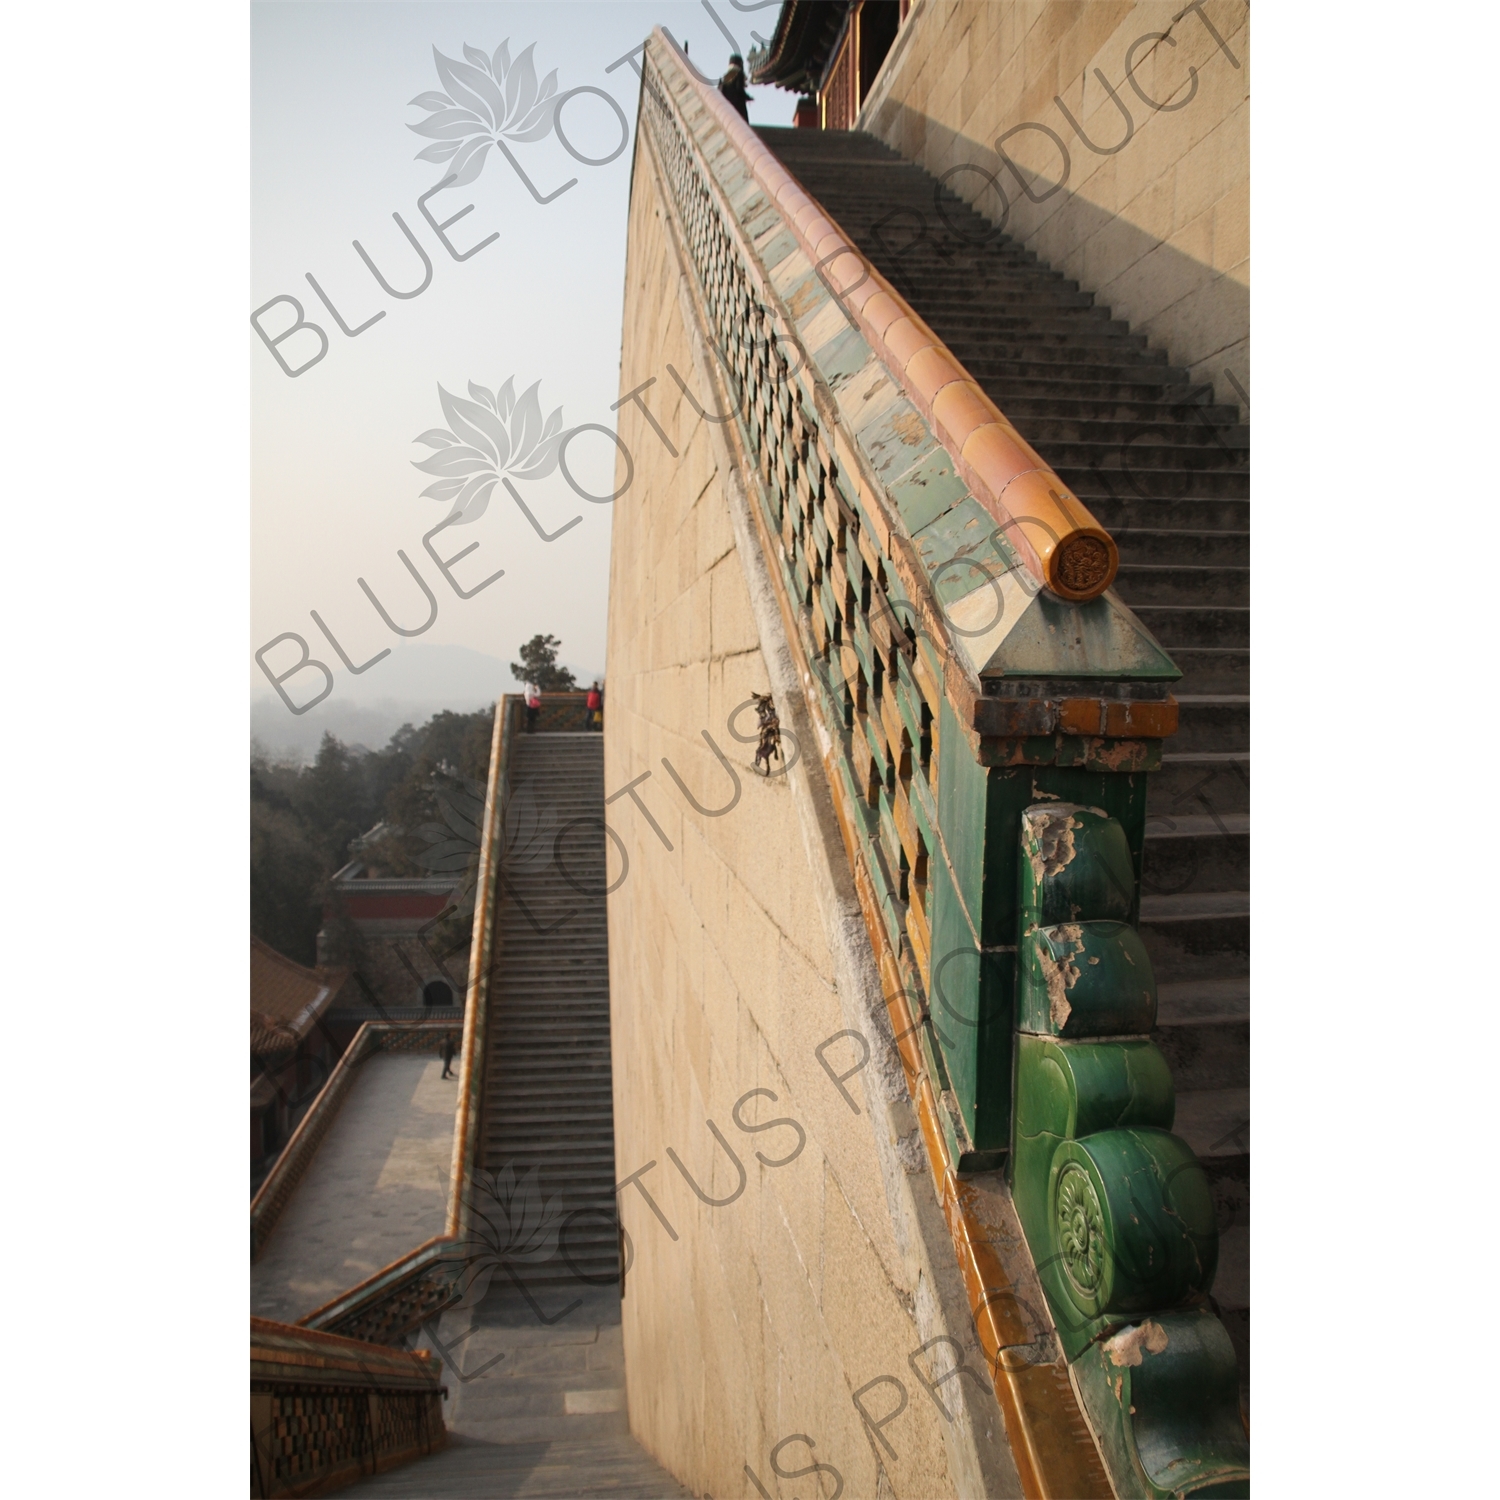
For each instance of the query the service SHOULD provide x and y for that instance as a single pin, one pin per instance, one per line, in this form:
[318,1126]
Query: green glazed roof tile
[789,268]
[927,490]
[842,358]
[896,440]
[955,550]
[777,250]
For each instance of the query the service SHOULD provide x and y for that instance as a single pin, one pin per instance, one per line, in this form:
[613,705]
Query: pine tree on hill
[538,664]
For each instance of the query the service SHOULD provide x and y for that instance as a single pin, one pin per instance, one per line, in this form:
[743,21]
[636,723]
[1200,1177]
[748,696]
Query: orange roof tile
[286,998]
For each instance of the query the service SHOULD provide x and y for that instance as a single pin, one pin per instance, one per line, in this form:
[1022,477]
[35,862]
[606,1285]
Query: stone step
[1005,384]
[1144,482]
[590,1088]
[536,1457]
[1028,308]
[1187,408]
[561,1112]
[1141,436]
[1212,721]
[1064,342]
[1195,1002]
[1191,625]
[1119,512]
[1131,465]
[1215,1122]
[520,1038]
[1145,546]
[1019,294]
[500,1149]
[546,1149]
[1196,935]
[550,1156]
[1196,852]
[1207,1055]
[1204,781]
[529,1039]
[1212,669]
[1182,583]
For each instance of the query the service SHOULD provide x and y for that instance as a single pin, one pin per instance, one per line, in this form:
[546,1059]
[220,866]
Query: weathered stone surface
[772,1308]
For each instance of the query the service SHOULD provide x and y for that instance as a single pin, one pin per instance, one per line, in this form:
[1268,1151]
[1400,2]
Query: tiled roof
[799,49]
[286,998]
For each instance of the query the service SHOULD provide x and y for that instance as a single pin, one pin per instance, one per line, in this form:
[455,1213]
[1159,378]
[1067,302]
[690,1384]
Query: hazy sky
[335,495]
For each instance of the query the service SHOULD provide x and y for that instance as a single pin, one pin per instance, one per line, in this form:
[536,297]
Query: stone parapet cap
[285,1352]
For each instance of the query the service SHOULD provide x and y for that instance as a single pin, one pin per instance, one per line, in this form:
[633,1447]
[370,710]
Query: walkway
[533,1411]
[375,1189]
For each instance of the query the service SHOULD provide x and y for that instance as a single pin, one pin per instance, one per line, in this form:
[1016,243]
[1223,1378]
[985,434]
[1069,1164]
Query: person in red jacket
[596,707]
[533,707]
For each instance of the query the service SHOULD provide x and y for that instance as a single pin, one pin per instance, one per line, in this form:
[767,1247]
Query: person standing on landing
[732,86]
[533,707]
[595,703]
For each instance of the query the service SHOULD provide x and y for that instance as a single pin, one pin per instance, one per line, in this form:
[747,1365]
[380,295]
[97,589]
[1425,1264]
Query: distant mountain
[410,685]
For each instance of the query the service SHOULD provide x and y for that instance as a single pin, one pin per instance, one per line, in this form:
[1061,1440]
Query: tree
[332,799]
[303,818]
[538,664]
[286,870]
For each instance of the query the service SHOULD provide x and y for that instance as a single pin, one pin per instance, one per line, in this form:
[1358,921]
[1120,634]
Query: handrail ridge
[1057,537]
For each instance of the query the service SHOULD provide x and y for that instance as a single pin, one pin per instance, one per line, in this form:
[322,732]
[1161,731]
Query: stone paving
[376,1187]
[533,1411]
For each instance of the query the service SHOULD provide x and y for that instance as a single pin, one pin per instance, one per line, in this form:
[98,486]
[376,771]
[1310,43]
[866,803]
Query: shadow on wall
[1179,302]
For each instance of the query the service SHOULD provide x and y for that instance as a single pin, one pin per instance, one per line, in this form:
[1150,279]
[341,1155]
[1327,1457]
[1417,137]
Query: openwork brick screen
[326,1411]
[863,629]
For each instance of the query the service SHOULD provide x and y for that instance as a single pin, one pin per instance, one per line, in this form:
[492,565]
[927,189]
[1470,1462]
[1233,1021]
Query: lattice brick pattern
[863,653]
[316,1431]
[401,1307]
[402,1424]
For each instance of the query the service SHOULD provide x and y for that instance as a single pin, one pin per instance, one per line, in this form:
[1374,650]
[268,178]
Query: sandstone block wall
[1153,213]
[764,1315]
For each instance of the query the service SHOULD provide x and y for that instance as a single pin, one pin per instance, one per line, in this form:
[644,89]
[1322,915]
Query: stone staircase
[1166,470]
[536,1372]
[547,1100]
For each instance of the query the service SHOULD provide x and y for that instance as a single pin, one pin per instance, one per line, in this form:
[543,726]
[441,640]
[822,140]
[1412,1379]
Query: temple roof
[806,31]
[286,998]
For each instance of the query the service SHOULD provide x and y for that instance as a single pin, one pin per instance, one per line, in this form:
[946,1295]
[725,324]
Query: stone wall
[1159,229]
[764,1316]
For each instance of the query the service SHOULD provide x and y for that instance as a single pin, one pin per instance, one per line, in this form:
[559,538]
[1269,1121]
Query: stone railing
[988,713]
[280,1182]
[326,1411]
[388,1305]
